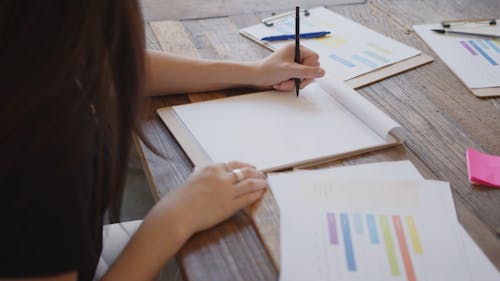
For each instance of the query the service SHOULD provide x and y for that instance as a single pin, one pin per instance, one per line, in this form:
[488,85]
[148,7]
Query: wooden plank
[230,251]
[158,10]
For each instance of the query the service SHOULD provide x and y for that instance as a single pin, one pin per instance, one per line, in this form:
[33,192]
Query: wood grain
[157,10]
[442,117]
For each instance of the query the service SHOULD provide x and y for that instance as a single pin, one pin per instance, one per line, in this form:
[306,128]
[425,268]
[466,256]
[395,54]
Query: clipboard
[368,76]
[462,52]
[361,127]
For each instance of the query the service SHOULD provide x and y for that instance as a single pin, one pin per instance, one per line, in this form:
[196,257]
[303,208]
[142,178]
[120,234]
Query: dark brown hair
[63,56]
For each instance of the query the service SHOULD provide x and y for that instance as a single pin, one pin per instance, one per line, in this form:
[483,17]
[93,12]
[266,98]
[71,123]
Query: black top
[51,221]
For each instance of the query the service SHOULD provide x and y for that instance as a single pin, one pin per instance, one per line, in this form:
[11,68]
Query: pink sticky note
[483,168]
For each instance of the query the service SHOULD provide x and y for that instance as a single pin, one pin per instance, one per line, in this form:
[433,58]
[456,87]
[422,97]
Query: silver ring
[238,175]
[227,167]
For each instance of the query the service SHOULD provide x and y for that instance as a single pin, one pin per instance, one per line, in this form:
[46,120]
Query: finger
[306,82]
[311,61]
[250,185]
[247,173]
[287,85]
[246,199]
[308,53]
[304,71]
[309,57]
[236,165]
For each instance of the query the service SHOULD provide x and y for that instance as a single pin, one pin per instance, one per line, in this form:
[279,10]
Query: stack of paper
[391,225]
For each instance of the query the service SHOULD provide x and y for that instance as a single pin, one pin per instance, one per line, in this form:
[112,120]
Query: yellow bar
[415,240]
[389,246]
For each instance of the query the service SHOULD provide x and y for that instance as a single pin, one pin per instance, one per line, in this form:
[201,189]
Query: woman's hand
[209,196]
[278,69]
[213,193]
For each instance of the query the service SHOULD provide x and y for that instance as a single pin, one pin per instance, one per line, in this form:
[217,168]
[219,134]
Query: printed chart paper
[350,51]
[364,240]
[376,239]
[475,60]
[479,265]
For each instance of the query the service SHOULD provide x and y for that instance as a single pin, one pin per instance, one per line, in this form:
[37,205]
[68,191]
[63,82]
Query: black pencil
[297,46]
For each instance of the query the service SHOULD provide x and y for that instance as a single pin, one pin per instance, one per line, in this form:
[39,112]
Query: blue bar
[358,224]
[364,61]
[342,61]
[372,228]
[376,56]
[493,45]
[346,232]
[482,44]
[481,51]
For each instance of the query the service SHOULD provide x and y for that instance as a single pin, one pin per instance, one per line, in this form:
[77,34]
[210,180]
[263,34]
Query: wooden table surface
[441,115]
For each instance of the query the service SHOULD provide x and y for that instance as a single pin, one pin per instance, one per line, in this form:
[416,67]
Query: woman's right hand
[213,194]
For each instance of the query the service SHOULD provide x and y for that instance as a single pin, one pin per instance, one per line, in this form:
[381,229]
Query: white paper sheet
[296,222]
[359,106]
[307,234]
[352,49]
[475,60]
[273,130]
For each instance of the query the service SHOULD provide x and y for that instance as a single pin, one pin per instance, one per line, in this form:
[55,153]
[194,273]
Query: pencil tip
[438,30]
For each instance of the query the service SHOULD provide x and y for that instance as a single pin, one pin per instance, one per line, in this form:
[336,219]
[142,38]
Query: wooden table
[443,119]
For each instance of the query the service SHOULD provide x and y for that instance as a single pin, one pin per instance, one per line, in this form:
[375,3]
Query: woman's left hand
[278,69]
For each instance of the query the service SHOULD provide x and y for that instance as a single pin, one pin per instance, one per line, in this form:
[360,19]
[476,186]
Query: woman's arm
[208,197]
[168,73]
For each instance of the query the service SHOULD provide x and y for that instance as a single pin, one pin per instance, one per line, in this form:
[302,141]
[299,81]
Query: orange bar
[405,254]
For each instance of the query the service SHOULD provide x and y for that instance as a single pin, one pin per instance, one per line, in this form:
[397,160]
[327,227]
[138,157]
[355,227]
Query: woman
[72,73]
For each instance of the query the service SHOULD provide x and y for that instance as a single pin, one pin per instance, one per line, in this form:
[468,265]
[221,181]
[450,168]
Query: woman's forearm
[157,240]
[168,74]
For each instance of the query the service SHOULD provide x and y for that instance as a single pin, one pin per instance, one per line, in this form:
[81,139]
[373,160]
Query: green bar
[389,246]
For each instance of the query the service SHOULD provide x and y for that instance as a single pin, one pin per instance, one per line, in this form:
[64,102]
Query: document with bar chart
[350,51]
[475,60]
[368,230]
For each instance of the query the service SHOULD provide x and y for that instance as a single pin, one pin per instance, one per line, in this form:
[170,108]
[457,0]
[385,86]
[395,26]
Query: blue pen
[292,36]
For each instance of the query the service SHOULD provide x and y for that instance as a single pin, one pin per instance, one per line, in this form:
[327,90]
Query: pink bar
[403,247]
[332,229]
[468,48]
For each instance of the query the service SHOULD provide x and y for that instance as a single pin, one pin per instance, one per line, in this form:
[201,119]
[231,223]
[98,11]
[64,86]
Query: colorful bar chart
[370,56]
[481,48]
[397,236]
[341,60]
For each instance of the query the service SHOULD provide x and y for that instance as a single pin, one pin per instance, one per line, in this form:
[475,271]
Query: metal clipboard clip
[463,22]
[270,20]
